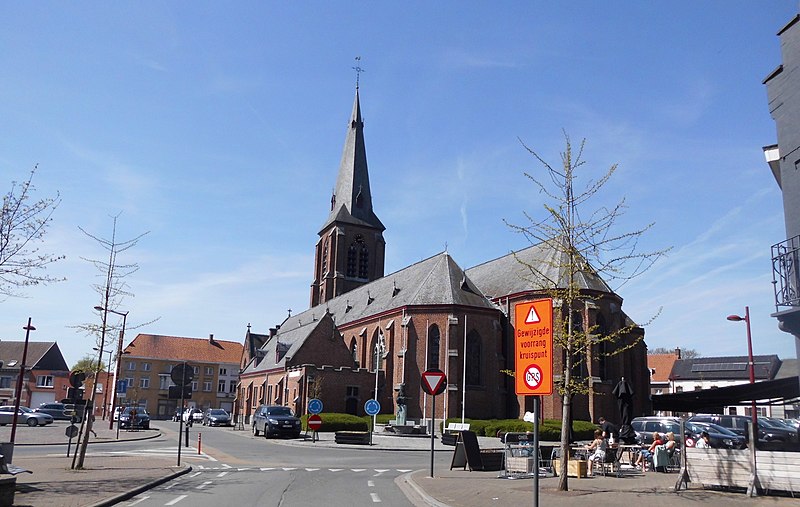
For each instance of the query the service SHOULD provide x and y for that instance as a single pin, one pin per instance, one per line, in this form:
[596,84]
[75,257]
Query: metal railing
[785,275]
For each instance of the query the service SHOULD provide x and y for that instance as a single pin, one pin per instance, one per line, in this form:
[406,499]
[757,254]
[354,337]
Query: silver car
[24,415]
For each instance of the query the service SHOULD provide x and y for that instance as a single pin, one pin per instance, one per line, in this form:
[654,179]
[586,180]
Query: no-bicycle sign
[533,347]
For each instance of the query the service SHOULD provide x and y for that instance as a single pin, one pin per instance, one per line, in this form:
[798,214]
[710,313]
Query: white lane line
[336,469]
[357,469]
[195,474]
[370,484]
[205,483]
[226,466]
[381,470]
[222,474]
[403,470]
[141,499]
[266,469]
[288,469]
[375,498]
[176,500]
[311,469]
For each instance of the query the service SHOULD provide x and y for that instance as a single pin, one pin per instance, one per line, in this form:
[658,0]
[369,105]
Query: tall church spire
[351,248]
[352,198]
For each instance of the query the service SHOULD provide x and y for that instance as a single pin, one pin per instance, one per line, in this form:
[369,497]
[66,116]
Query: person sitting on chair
[646,456]
[597,450]
[703,442]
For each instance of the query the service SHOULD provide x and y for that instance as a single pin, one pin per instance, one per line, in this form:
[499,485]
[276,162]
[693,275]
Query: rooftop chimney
[211,338]
[678,352]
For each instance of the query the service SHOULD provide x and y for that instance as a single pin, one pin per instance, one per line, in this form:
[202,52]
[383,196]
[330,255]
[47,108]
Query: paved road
[114,471]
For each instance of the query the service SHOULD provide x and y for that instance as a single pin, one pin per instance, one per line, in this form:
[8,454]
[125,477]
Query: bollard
[199,442]
[187,437]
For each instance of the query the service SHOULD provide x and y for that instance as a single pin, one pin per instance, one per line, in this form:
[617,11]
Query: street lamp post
[21,377]
[105,388]
[124,316]
[746,319]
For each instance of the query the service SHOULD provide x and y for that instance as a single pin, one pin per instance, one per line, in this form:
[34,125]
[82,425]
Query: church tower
[351,249]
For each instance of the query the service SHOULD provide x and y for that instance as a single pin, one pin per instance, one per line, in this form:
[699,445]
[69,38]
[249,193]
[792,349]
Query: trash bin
[7,450]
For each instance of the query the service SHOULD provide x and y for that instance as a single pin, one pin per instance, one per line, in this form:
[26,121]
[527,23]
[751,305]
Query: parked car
[275,420]
[134,417]
[24,416]
[56,410]
[195,413]
[776,426]
[738,424]
[719,437]
[646,426]
[216,417]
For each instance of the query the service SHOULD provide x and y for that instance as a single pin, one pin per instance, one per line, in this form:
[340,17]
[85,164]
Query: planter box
[352,437]
[575,468]
[520,465]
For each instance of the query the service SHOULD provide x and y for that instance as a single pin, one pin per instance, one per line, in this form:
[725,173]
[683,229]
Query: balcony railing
[785,275]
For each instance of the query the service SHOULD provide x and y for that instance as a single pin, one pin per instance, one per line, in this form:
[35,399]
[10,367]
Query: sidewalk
[104,480]
[107,479]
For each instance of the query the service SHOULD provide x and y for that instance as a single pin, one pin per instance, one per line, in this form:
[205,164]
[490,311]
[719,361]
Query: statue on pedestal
[401,406]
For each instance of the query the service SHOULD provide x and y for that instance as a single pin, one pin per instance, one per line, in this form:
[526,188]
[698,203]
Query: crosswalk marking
[176,500]
[375,497]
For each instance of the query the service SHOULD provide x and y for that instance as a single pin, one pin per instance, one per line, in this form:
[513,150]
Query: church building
[369,335]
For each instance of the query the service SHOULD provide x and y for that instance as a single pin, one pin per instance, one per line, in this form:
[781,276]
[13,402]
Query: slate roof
[788,369]
[437,280]
[175,348]
[510,273]
[353,198]
[725,368]
[290,340]
[37,352]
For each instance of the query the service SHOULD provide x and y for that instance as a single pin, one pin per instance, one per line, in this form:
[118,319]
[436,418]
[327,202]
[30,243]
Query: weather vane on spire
[358,70]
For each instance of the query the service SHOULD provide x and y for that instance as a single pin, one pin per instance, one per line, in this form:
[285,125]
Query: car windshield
[217,411]
[139,411]
[280,411]
[769,424]
[24,409]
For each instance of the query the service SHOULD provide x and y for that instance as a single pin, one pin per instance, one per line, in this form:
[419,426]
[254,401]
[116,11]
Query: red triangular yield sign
[533,317]
[432,381]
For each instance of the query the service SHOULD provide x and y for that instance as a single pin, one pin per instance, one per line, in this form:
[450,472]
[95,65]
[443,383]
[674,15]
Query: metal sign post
[533,360]
[434,382]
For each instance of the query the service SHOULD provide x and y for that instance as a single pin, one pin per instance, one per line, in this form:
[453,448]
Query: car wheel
[32,421]
[255,431]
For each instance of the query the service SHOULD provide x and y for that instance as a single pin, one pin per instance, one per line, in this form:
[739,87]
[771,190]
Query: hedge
[550,429]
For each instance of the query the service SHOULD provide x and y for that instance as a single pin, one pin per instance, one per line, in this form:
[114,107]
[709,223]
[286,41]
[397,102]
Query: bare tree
[685,353]
[112,291]
[23,223]
[586,243]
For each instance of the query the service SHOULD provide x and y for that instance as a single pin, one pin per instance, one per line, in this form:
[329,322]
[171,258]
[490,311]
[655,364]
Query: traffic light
[76,379]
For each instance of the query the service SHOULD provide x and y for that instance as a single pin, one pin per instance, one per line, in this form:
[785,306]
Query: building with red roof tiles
[148,360]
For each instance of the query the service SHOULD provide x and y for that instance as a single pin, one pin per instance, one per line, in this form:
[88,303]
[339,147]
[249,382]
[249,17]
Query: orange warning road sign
[533,347]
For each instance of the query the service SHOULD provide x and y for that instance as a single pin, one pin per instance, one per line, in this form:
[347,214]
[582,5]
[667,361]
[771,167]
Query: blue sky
[218,128]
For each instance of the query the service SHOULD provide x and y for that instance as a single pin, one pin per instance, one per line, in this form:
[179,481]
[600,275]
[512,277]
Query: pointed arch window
[433,346]
[472,375]
[358,258]
[602,347]
[354,350]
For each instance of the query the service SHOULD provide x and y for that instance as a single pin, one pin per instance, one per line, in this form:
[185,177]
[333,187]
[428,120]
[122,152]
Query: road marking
[226,465]
[176,500]
[375,497]
[370,484]
[141,499]
[222,474]
[336,469]
[357,469]
[195,474]
[267,469]
[311,469]
[289,469]
[403,470]
[205,483]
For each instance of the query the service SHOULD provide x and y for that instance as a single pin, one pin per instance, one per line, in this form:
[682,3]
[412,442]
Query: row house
[46,376]
[148,360]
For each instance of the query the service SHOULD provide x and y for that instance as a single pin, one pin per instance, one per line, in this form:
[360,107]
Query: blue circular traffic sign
[314,406]
[372,407]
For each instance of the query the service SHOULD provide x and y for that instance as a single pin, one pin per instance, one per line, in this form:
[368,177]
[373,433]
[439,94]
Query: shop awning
[768,392]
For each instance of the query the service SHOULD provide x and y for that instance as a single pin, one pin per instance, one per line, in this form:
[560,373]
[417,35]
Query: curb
[135,491]
[410,489]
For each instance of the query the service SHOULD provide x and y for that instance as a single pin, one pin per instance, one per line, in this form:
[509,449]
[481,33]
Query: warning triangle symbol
[533,317]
